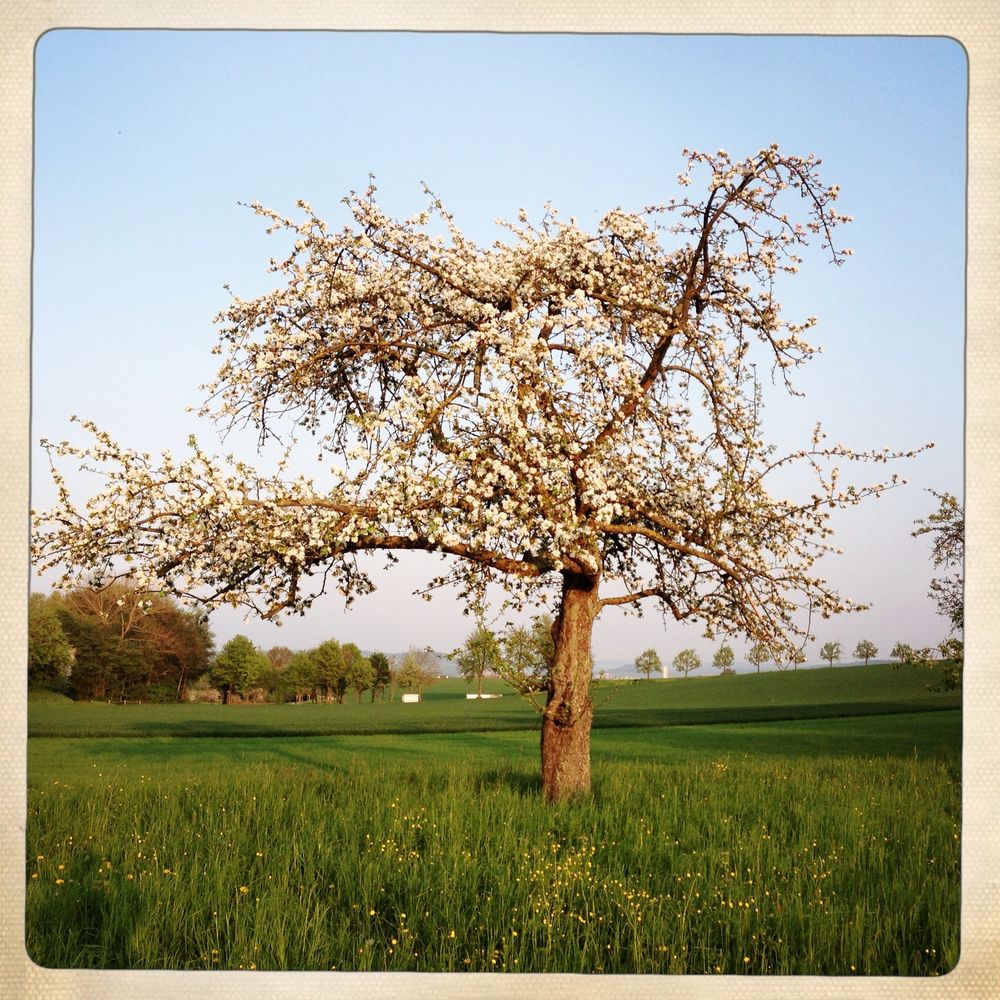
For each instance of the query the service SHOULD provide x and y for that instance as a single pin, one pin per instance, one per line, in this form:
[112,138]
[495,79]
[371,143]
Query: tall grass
[718,863]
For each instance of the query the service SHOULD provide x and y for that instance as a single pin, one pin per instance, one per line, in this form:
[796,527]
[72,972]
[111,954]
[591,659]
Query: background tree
[104,665]
[571,414]
[865,650]
[831,651]
[280,657]
[179,647]
[526,658]
[946,526]
[757,654]
[951,649]
[328,670]
[299,677]
[724,658]
[381,674]
[358,673]
[50,656]
[686,661]
[131,645]
[648,662]
[237,667]
[417,670]
[903,652]
[478,655]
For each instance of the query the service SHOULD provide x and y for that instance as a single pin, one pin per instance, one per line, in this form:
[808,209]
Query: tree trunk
[568,708]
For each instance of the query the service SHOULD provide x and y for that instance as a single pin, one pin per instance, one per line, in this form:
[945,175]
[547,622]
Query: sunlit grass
[713,863]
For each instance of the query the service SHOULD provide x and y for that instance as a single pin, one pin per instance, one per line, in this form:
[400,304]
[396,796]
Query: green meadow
[804,822]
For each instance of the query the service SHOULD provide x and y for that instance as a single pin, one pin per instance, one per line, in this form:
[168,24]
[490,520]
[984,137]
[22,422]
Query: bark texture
[568,709]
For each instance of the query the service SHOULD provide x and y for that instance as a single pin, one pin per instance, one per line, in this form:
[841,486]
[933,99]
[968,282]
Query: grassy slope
[873,712]
[806,694]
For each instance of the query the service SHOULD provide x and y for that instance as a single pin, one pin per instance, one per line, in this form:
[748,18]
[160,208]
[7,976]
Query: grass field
[797,823]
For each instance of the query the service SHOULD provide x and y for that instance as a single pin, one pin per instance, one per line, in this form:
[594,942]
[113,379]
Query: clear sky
[147,141]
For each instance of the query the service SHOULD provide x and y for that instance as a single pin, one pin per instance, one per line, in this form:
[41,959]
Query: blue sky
[146,143]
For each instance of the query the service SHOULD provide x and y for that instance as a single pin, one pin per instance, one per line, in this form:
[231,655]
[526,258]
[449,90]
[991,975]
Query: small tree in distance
[724,658]
[831,651]
[686,661]
[793,660]
[381,674]
[865,650]
[478,655]
[758,654]
[903,652]
[526,658]
[648,662]
[418,669]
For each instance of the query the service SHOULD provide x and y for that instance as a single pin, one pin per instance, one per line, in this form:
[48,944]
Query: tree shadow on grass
[659,717]
[520,782]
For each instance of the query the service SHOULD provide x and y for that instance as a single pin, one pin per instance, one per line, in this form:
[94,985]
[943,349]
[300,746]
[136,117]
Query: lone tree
[563,412]
[865,650]
[831,651]
[478,655]
[686,661]
[648,662]
[417,669]
[724,658]
[759,653]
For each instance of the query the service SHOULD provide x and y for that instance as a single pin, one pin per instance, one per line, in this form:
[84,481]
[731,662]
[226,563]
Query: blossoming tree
[564,412]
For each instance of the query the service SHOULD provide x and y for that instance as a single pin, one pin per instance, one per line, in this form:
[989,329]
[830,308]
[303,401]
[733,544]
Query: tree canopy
[831,651]
[50,655]
[122,643]
[237,667]
[724,658]
[759,653]
[648,662]
[478,655]
[565,412]
[865,650]
[686,661]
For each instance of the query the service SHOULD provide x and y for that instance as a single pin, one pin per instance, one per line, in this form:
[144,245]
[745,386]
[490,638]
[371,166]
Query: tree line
[117,643]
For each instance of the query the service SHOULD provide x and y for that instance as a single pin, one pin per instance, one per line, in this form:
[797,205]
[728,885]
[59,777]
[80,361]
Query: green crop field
[795,823]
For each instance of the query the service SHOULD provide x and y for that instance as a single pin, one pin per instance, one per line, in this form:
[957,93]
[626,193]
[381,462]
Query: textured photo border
[973,23]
